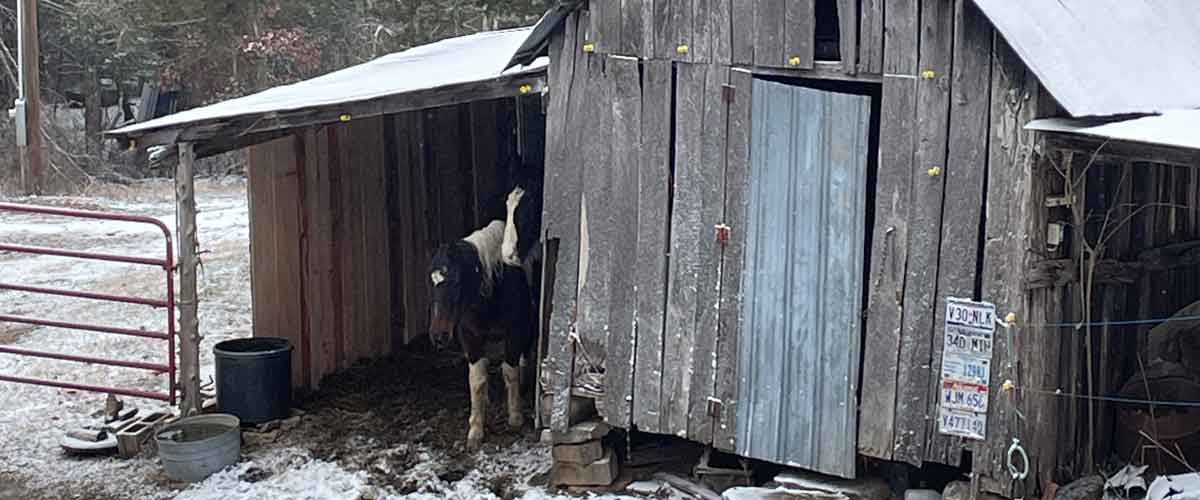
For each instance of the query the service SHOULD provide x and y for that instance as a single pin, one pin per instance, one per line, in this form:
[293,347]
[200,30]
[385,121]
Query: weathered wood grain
[560,216]
[711,188]
[626,92]
[1015,187]
[606,26]
[924,232]
[742,30]
[889,242]
[376,244]
[965,171]
[769,16]
[737,158]
[848,32]
[350,246]
[682,32]
[800,23]
[598,234]
[633,28]
[687,235]
[720,31]
[337,180]
[654,178]
[701,49]
[663,29]
[870,42]
[261,188]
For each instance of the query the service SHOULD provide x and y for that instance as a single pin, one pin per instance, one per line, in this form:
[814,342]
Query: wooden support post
[31,155]
[189,321]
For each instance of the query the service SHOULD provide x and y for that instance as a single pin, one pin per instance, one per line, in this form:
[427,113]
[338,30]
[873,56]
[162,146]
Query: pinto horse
[478,297]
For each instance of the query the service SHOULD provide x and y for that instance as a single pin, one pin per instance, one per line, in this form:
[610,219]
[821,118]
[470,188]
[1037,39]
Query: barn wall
[344,219]
[958,201]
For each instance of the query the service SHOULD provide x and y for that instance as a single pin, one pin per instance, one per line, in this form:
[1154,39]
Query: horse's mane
[487,242]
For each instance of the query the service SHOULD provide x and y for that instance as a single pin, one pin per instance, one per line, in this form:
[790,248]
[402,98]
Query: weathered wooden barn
[356,176]
[759,210]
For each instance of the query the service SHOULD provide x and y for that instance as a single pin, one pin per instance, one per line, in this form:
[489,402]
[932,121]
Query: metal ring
[1012,470]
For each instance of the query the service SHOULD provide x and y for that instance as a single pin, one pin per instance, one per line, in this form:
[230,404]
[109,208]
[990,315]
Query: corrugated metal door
[802,275]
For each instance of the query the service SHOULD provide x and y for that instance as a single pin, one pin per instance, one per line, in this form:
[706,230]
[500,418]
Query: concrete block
[582,433]
[854,489]
[131,439]
[599,473]
[583,453]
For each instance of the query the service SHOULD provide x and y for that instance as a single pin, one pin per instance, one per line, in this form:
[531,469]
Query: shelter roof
[1107,57]
[461,63]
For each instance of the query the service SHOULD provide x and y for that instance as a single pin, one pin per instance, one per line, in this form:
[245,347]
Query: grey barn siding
[805,225]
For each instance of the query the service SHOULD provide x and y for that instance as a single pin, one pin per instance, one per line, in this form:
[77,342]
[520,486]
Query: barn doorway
[809,199]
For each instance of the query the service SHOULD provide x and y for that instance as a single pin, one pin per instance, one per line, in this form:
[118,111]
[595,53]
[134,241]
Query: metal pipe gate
[167,264]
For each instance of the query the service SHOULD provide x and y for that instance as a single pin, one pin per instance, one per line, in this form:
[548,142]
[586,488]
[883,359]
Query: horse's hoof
[515,422]
[474,440]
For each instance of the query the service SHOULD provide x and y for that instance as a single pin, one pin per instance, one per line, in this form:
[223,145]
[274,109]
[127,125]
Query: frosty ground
[373,432]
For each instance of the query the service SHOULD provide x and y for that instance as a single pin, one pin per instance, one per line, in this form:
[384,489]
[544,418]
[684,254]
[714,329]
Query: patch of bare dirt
[381,416]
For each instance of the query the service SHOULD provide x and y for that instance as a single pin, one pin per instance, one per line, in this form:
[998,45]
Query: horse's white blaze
[477,379]
[487,243]
[437,277]
[510,228]
[512,384]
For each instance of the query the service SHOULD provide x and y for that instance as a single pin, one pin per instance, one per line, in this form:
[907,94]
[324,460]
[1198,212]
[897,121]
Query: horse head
[457,278]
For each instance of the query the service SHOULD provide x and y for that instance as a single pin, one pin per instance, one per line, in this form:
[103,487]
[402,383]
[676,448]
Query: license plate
[966,369]
[968,341]
[962,423]
[964,396]
[972,314]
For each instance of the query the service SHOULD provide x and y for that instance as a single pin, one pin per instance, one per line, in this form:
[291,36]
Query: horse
[477,297]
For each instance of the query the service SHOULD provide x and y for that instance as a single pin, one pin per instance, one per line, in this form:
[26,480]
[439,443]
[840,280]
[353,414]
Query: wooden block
[582,433]
[583,453]
[599,473]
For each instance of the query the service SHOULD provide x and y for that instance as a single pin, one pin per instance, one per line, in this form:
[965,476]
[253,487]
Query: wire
[1082,324]
[1114,399]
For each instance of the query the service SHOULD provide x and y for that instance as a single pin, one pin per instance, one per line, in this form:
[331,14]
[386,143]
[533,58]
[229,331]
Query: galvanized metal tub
[193,448]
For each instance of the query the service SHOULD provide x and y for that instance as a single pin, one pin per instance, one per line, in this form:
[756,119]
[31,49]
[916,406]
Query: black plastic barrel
[254,378]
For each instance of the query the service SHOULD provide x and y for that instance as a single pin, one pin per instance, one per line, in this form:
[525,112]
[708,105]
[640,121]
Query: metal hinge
[714,407]
[728,92]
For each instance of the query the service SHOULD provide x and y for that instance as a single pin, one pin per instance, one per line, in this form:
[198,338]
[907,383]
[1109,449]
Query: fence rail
[166,263]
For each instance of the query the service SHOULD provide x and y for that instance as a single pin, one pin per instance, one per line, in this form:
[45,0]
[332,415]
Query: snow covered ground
[32,418]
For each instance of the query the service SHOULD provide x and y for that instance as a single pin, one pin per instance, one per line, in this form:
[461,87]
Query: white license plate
[972,314]
[968,341]
[966,369]
[962,423]
[964,396]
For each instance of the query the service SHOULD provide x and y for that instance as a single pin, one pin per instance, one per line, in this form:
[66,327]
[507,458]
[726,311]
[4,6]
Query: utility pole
[29,104]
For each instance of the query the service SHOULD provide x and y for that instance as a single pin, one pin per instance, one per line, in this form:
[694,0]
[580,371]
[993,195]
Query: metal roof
[1107,57]
[1179,128]
[466,59]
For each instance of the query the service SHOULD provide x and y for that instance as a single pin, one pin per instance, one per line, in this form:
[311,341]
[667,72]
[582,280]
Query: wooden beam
[189,322]
[1121,150]
[821,70]
[209,131]
[31,157]
[1062,272]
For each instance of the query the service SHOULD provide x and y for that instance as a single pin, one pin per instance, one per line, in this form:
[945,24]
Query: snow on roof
[1179,128]
[465,59]
[1107,57]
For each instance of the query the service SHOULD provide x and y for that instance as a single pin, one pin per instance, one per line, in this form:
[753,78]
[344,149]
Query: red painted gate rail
[167,264]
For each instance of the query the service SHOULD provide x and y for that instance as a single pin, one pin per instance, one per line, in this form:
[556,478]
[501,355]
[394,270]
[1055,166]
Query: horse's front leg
[478,381]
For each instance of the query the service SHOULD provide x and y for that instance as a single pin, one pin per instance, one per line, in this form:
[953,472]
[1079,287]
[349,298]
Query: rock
[645,488]
[582,433]
[957,490]
[691,488]
[855,489]
[1085,488]
[778,493]
[253,439]
[916,494]
[599,473]
[584,453]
